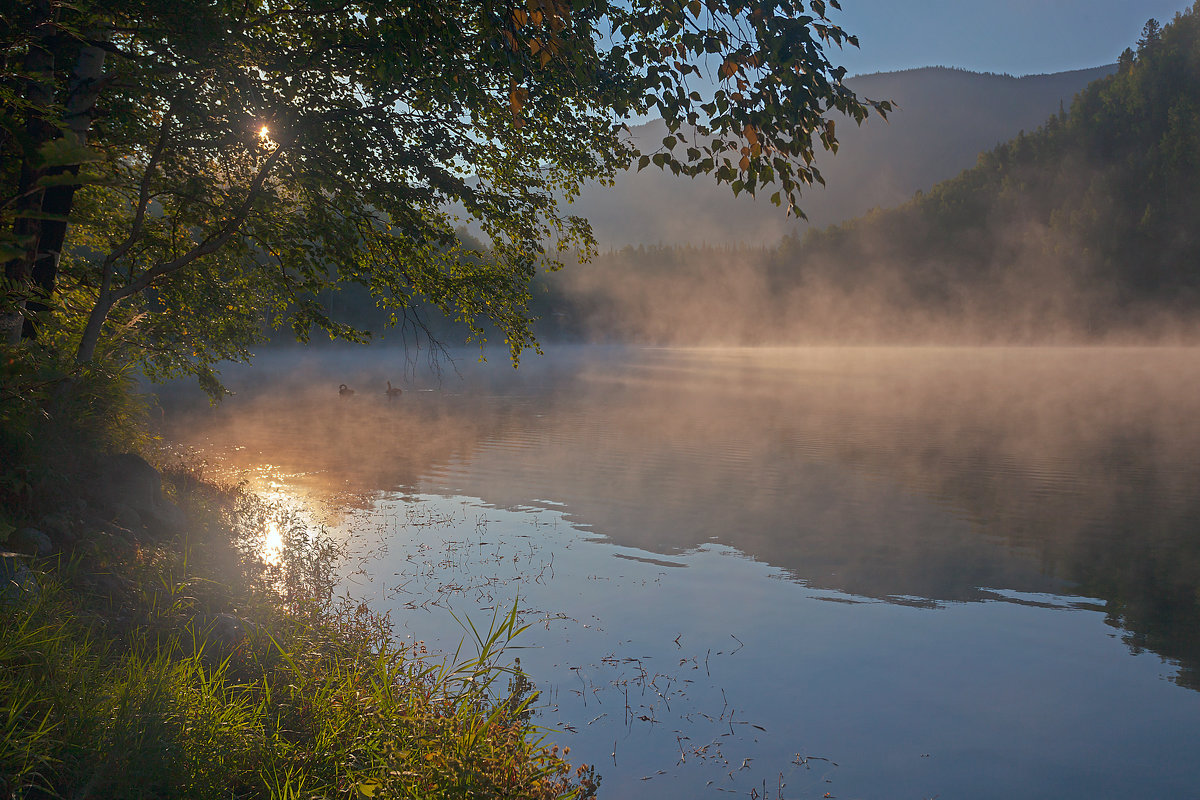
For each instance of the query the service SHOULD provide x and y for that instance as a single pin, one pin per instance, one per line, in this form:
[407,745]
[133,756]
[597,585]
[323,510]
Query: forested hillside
[1086,226]
[1083,230]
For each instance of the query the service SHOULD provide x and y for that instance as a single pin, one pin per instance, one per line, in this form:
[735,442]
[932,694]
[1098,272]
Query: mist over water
[948,570]
[1038,288]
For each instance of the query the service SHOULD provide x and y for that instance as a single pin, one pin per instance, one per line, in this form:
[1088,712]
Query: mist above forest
[717,244]
[1083,230]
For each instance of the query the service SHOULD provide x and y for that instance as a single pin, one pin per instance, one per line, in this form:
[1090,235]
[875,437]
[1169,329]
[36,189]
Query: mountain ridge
[946,117]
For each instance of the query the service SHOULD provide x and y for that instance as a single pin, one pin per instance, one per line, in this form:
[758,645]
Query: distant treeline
[1092,219]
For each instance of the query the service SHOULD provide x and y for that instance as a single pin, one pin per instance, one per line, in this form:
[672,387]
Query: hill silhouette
[945,118]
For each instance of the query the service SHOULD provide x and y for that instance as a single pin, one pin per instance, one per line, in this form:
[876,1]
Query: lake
[830,572]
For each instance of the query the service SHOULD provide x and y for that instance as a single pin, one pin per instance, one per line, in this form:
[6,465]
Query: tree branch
[135,231]
[211,244]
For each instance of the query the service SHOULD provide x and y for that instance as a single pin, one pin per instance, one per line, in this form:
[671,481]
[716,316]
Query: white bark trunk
[10,327]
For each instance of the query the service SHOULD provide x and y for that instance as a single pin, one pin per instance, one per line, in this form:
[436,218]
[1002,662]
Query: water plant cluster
[140,662]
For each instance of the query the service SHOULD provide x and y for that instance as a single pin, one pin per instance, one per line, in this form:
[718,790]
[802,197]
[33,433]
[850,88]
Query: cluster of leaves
[774,86]
[133,690]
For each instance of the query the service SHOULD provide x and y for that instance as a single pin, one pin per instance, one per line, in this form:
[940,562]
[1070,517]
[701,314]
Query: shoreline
[148,648]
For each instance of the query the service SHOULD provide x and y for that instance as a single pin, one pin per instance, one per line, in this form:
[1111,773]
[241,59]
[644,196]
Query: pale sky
[1020,37]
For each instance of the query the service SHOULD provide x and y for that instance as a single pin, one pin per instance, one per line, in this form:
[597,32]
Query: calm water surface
[872,573]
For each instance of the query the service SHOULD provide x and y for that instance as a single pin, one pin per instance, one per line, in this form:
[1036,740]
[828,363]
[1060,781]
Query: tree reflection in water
[919,476]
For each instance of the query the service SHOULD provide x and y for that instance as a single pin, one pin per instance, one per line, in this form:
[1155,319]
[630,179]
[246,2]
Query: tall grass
[150,694]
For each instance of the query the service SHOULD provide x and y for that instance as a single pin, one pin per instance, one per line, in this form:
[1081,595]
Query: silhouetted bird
[393,391]
[345,391]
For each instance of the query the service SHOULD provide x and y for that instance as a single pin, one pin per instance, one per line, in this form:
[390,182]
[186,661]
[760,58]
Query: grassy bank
[147,649]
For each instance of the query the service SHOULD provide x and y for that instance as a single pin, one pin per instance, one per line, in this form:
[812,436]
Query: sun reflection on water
[306,497]
[271,549]
[279,492]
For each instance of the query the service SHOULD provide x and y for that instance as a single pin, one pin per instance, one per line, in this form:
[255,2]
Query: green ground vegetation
[155,665]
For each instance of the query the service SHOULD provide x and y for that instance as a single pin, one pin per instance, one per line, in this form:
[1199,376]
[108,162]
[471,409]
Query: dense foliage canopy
[221,163]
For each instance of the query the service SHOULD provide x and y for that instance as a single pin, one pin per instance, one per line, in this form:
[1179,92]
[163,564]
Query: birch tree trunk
[58,200]
[39,93]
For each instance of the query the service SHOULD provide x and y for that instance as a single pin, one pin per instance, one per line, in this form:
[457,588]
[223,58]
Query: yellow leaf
[368,788]
[744,163]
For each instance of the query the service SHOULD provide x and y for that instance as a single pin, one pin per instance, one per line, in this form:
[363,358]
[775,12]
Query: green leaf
[66,152]
[72,179]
